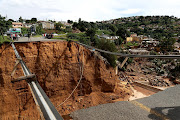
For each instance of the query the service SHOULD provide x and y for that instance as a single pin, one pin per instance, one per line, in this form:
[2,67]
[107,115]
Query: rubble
[157,81]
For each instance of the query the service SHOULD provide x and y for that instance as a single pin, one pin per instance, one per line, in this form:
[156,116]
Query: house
[133,35]
[47,24]
[27,25]
[139,51]
[13,31]
[133,39]
[149,43]
[17,25]
[108,37]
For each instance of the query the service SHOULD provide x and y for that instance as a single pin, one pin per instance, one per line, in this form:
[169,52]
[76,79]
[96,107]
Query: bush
[5,39]
[167,45]
[85,40]
[108,46]
[72,36]
[24,31]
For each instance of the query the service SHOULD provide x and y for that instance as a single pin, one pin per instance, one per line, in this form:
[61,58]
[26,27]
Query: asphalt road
[34,39]
[160,106]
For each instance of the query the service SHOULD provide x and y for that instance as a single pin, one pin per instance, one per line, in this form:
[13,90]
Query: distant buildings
[133,38]
[27,25]
[108,37]
[17,24]
[47,24]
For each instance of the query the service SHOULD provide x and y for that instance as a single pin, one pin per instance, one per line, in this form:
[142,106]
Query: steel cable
[81,70]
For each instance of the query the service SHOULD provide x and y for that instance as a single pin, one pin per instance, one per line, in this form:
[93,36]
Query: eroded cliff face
[57,67]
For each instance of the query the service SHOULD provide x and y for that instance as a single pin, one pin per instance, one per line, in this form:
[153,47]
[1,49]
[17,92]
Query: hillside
[155,26]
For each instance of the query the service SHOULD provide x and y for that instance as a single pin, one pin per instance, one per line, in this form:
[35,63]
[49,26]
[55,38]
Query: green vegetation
[155,26]
[4,39]
[37,36]
[129,45]
[166,45]
[100,32]
[89,38]
[39,30]
[24,31]
[108,46]
[33,20]
[20,19]
[62,29]
[58,26]
[4,26]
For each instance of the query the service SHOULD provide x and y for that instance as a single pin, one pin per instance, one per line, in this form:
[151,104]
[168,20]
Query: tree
[58,26]
[113,28]
[119,41]
[28,21]
[123,33]
[39,29]
[108,46]
[20,19]
[24,31]
[70,21]
[11,20]
[68,29]
[4,25]
[91,33]
[75,24]
[33,20]
[167,45]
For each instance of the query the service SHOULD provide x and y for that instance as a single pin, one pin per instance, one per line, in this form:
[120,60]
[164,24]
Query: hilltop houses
[17,24]
[47,24]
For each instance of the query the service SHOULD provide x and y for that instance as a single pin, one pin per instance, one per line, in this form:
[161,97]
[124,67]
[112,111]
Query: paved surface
[162,105]
[33,39]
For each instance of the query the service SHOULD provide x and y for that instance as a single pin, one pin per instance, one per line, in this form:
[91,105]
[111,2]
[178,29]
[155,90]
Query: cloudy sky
[89,10]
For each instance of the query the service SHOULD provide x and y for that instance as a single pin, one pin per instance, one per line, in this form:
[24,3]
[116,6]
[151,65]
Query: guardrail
[131,55]
[47,109]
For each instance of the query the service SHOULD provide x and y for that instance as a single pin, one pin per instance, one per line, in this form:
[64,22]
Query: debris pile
[157,81]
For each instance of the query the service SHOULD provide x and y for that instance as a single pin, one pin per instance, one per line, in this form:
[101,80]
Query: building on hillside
[65,24]
[108,37]
[27,25]
[150,42]
[133,39]
[129,39]
[133,35]
[47,24]
[17,25]
[139,51]
[13,31]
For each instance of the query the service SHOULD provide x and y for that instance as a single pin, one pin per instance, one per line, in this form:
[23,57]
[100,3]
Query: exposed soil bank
[57,67]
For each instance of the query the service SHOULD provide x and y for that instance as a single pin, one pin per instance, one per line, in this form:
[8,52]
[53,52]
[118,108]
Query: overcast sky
[89,10]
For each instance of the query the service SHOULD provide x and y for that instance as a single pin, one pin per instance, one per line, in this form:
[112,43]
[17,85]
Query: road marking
[163,117]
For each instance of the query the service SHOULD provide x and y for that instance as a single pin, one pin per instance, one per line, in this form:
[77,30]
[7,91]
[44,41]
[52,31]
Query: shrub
[108,46]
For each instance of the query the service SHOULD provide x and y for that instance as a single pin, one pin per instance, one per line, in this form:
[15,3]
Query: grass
[100,32]
[5,39]
[130,44]
[60,36]
[37,36]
